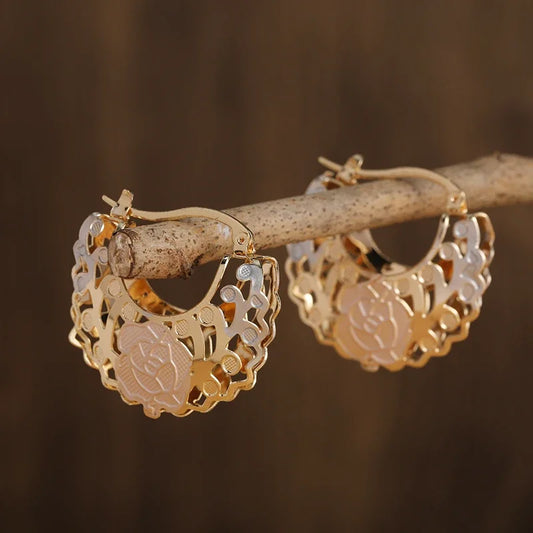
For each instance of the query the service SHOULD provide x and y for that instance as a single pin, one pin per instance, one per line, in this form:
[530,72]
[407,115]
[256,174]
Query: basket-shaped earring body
[158,355]
[381,313]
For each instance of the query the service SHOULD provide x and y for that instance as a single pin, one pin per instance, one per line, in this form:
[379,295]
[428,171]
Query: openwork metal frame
[155,354]
[382,313]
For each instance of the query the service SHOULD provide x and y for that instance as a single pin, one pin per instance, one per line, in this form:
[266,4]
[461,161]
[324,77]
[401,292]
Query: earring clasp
[352,170]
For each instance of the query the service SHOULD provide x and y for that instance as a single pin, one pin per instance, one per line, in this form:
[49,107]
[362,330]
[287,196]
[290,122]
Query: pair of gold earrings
[369,308]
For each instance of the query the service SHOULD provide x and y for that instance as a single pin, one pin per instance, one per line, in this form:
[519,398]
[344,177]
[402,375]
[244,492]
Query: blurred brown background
[224,103]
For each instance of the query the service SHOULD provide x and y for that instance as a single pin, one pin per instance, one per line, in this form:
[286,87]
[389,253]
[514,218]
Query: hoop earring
[381,313]
[158,355]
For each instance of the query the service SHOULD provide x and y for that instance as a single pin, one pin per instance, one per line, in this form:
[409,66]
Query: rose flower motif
[153,367]
[374,324]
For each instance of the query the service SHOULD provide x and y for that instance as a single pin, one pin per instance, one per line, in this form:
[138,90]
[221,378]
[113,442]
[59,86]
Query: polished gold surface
[382,313]
[158,355]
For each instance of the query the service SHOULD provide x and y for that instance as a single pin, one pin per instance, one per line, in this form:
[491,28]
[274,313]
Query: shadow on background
[224,103]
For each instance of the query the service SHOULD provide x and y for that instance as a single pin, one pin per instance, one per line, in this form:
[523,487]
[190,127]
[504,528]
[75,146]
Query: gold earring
[381,313]
[165,358]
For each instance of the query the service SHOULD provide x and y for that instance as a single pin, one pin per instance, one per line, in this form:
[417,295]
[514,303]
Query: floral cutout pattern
[153,368]
[374,326]
[161,356]
[381,313]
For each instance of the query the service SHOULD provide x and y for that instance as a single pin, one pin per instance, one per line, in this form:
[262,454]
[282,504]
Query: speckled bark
[173,249]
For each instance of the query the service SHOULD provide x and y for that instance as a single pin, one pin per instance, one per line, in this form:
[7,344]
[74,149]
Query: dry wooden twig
[173,249]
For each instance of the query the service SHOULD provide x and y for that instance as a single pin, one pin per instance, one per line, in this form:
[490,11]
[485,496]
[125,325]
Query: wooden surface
[227,103]
[175,248]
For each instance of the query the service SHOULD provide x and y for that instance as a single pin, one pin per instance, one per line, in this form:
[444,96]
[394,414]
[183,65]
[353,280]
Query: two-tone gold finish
[368,307]
[160,356]
[382,313]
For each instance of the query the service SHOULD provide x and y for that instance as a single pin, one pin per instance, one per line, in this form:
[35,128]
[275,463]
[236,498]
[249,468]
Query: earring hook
[243,238]
[351,171]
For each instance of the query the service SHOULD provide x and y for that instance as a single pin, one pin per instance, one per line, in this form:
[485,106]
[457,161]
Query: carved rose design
[374,325]
[153,368]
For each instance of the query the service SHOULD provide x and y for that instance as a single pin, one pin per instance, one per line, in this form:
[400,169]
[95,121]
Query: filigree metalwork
[155,354]
[382,313]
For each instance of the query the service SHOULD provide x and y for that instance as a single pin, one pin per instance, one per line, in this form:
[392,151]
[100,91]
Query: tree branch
[173,249]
